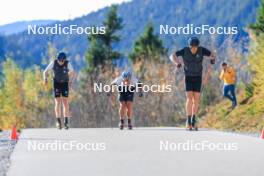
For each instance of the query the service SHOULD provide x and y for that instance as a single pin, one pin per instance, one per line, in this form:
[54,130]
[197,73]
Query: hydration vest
[193,64]
[61,72]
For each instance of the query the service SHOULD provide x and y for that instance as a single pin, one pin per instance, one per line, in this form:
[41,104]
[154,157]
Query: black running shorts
[61,89]
[126,96]
[193,83]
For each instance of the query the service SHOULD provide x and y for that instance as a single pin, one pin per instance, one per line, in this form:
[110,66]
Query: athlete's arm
[46,71]
[209,54]
[115,82]
[71,74]
[174,57]
[212,58]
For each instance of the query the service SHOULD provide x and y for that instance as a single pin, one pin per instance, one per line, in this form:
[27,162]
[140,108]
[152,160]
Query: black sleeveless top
[61,72]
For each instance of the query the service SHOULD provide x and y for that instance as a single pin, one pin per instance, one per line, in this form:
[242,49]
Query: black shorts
[126,96]
[61,89]
[193,83]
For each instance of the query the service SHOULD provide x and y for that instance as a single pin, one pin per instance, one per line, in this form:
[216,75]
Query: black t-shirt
[193,63]
[205,52]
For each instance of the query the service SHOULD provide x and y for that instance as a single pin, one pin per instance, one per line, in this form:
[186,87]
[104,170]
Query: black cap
[224,64]
[61,56]
[194,41]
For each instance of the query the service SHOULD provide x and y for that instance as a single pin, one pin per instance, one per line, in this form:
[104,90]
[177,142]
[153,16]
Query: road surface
[140,152]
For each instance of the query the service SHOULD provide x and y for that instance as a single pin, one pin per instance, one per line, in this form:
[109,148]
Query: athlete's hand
[178,65]
[212,61]
[140,94]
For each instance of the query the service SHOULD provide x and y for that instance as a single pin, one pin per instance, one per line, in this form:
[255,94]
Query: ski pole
[110,107]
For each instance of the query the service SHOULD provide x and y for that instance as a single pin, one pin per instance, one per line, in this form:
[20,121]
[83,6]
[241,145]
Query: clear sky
[20,10]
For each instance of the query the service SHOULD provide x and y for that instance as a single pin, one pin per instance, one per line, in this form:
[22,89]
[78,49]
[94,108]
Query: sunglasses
[62,60]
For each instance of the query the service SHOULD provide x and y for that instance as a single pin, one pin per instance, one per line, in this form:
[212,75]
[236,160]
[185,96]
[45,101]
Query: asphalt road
[140,152]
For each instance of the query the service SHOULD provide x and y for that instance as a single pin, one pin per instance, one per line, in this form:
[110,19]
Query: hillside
[27,50]
[249,114]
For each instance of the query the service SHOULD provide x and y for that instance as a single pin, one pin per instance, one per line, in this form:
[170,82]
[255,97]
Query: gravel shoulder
[6,149]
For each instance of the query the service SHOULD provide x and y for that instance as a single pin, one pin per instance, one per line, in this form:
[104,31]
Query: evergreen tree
[100,51]
[147,46]
[258,26]
[256,59]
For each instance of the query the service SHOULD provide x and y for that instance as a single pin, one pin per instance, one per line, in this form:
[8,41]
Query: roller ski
[129,125]
[66,123]
[189,124]
[194,123]
[121,124]
[58,124]
[195,127]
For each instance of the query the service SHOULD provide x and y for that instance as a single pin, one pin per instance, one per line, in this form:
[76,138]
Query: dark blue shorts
[126,96]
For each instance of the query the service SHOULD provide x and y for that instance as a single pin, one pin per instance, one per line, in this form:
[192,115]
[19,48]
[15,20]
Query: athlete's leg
[196,101]
[129,109]
[189,104]
[65,102]
[122,110]
[129,114]
[58,102]
[66,111]
[195,108]
[122,113]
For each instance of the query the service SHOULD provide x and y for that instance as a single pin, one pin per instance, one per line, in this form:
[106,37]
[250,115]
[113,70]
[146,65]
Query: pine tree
[147,46]
[256,59]
[100,51]
[258,26]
